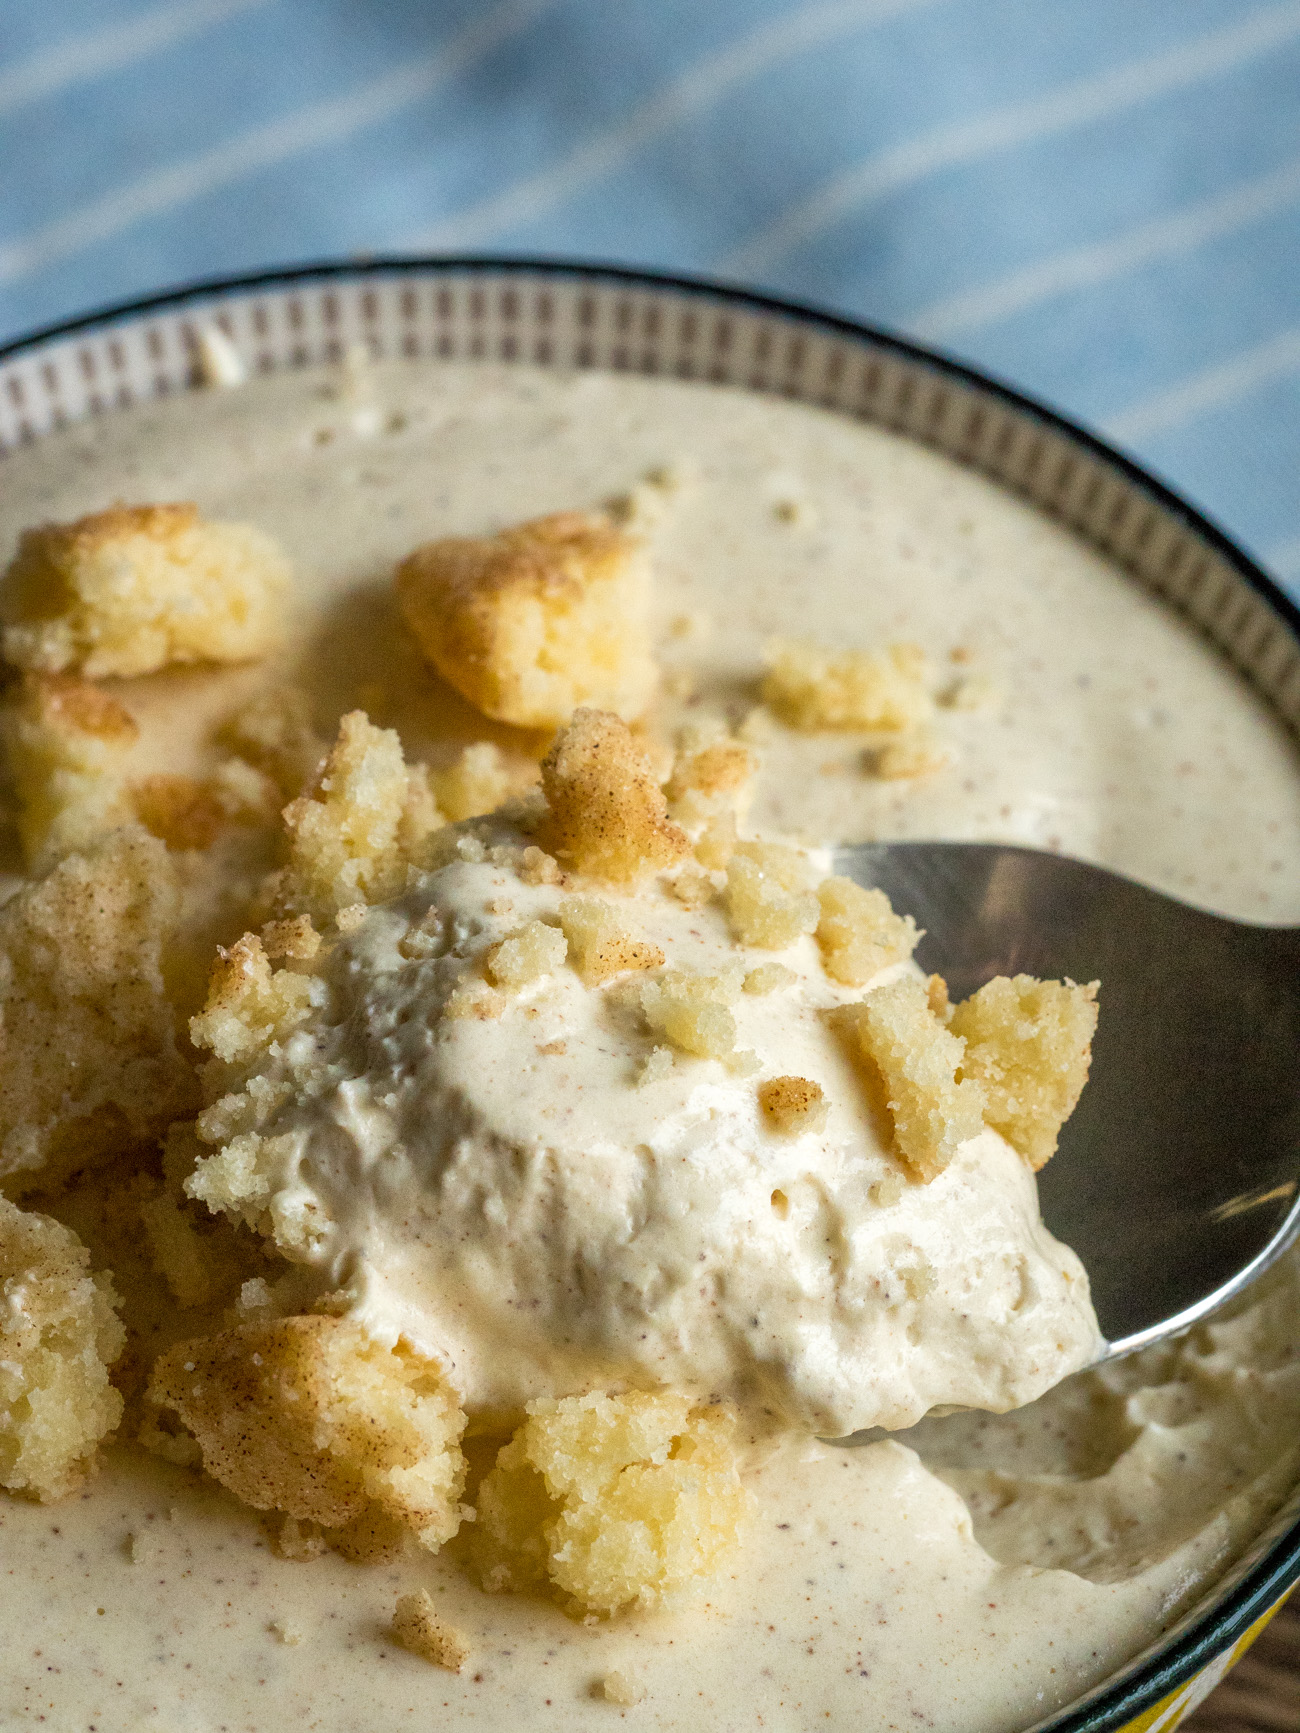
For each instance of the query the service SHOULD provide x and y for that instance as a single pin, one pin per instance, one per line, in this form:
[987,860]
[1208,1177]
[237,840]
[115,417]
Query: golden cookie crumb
[919,1062]
[607,814]
[536,867]
[132,589]
[368,816]
[59,1335]
[526,955]
[767,897]
[1029,1047]
[792,1105]
[249,1004]
[612,1501]
[859,933]
[600,943]
[691,887]
[309,1416]
[769,978]
[296,939]
[417,1627]
[68,745]
[623,1689]
[537,621]
[693,1010]
[89,1061]
[812,688]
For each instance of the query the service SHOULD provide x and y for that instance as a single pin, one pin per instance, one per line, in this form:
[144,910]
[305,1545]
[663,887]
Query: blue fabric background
[1097,199]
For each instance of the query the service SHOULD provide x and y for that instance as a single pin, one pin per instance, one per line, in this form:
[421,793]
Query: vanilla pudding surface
[869,1589]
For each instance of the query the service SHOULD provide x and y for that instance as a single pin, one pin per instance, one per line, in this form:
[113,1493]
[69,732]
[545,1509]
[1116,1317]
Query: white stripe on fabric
[693,92]
[1212,389]
[82,58]
[1071,105]
[1085,267]
[319,124]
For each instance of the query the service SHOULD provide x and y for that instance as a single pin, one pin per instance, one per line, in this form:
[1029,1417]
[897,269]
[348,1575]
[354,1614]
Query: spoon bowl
[1177,1179]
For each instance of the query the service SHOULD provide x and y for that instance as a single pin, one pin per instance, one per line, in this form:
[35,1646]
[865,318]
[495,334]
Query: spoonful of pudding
[1177,1179]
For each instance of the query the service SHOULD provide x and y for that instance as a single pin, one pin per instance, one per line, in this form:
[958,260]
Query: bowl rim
[1141,1683]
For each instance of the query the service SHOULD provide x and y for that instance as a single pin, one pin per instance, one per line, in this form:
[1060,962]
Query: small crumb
[553,1049]
[349,919]
[812,688]
[539,868]
[769,978]
[743,1063]
[296,939]
[792,1105]
[600,945]
[656,1065]
[691,887]
[254,1296]
[287,1632]
[619,1688]
[417,1627]
[473,1001]
[526,955]
[886,1192]
[143,1547]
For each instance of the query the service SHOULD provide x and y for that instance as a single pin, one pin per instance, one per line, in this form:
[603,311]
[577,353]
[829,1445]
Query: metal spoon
[1177,1180]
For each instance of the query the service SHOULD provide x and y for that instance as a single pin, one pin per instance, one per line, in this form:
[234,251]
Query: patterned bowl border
[567,316]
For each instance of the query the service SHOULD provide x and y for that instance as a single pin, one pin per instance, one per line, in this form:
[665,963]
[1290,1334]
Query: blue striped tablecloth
[1097,199]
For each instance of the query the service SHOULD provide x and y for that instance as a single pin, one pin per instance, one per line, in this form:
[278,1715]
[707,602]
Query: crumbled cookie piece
[607,814]
[919,1062]
[859,933]
[89,1062]
[792,1105]
[768,899]
[134,588]
[310,1416]
[295,939]
[621,1688]
[249,1003]
[474,1001]
[274,733]
[656,1067]
[1028,1046]
[601,944]
[352,837]
[59,1335]
[417,1627]
[614,1501]
[718,771]
[536,867]
[190,812]
[691,887]
[812,688]
[537,621]
[769,978]
[476,783]
[694,1010]
[526,955]
[178,1253]
[67,744]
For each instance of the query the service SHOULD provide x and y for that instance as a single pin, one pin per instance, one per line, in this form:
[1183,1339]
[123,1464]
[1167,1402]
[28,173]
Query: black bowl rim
[1107,1708]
